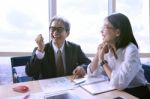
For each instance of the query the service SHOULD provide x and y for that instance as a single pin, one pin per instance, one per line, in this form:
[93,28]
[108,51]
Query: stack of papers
[93,85]
[56,84]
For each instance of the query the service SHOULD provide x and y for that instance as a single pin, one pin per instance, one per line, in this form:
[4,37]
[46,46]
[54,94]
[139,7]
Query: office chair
[146,72]
[18,69]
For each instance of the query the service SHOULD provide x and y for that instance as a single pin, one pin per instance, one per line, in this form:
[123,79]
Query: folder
[99,87]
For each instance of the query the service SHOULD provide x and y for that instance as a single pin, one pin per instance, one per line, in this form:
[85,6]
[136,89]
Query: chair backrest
[18,69]
[146,71]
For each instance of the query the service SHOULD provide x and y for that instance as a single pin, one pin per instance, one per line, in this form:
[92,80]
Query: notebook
[90,80]
[99,87]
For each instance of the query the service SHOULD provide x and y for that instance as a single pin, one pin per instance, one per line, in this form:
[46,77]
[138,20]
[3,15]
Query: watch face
[103,62]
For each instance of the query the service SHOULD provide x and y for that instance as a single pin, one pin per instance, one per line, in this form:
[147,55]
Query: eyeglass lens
[58,29]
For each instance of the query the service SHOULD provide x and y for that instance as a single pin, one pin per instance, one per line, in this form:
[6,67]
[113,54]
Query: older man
[58,57]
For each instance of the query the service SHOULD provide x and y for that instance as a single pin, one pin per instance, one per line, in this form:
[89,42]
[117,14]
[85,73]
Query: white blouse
[127,70]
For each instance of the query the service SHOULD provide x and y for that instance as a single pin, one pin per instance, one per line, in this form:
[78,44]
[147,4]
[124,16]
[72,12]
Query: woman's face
[109,33]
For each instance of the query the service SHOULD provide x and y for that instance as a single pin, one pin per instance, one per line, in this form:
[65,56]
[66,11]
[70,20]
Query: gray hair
[64,21]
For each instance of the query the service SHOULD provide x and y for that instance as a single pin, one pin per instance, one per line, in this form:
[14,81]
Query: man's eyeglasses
[58,29]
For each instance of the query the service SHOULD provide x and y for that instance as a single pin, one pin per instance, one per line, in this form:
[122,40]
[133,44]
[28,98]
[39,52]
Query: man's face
[58,32]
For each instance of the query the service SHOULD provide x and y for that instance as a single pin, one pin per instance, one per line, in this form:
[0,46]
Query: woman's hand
[102,50]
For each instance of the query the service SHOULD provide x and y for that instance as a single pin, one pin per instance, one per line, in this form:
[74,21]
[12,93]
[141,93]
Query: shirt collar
[56,49]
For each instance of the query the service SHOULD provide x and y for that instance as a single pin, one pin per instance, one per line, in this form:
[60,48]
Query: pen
[74,76]
[27,96]
[80,82]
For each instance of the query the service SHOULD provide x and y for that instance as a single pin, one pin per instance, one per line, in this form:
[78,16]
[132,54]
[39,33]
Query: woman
[118,57]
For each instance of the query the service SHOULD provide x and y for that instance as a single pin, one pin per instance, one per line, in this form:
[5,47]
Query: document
[56,84]
[39,95]
[98,87]
[89,80]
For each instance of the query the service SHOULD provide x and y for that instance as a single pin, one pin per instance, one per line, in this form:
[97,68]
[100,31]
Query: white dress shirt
[127,70]
[40,55]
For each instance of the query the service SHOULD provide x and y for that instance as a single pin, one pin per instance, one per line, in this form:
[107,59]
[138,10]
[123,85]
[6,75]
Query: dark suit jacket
[46,67]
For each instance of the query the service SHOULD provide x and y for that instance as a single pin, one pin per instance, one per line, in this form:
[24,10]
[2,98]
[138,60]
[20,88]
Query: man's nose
[56,32]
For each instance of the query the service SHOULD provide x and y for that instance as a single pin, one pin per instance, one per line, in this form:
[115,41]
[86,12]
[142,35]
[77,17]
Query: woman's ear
[117,32]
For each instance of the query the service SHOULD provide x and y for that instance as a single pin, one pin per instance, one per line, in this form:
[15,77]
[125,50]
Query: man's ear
[68,34]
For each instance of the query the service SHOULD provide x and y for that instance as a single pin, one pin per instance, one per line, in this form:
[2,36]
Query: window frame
[53,11]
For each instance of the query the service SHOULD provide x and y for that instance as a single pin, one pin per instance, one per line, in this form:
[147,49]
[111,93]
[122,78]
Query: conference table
[6,91]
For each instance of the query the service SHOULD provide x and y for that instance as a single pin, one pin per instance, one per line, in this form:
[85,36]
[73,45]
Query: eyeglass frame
[58,29]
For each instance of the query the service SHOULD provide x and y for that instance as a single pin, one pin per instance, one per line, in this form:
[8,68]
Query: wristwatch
[103,62]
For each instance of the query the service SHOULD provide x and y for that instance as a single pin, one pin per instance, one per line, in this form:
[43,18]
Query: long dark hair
[121,22]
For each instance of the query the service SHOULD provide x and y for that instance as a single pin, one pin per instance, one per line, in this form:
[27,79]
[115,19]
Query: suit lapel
[68,55]
[52,57]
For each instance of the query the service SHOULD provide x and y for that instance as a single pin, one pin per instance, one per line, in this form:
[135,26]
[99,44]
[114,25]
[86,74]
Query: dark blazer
[46,67]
